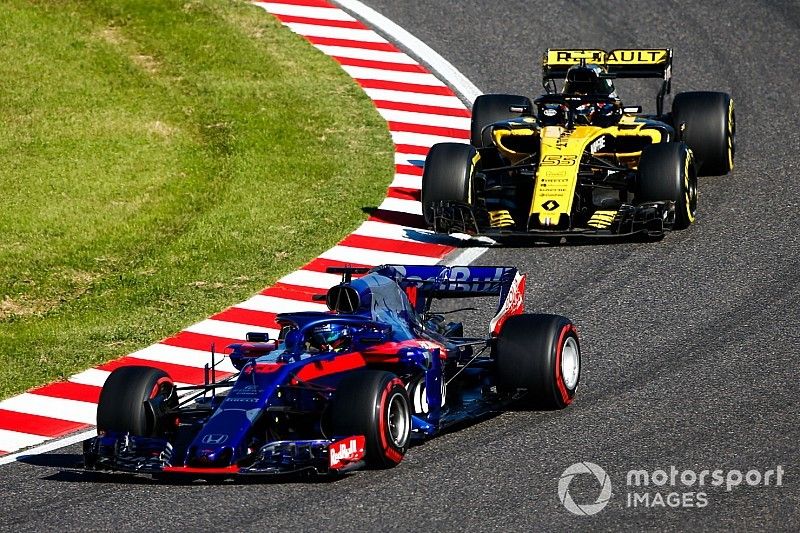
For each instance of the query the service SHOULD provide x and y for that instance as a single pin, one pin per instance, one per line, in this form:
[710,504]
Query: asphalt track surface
[689,344]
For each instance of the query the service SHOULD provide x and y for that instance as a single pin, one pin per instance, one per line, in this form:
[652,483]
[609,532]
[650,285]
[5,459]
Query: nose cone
[211,456]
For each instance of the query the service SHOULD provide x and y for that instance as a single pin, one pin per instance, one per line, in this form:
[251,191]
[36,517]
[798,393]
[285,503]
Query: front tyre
[447,176]
[132,400]
[706,121]
[375,404]
[667,173]
[539,354]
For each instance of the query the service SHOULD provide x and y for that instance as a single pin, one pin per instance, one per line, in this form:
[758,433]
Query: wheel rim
[690,187]
[731,135]
[397,417]
[570,363]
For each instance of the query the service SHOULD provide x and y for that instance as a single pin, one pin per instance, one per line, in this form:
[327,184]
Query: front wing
[652,219]
[143,455]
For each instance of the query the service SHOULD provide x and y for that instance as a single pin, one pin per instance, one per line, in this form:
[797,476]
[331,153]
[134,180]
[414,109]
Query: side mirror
[343,299]
[632,110]
[255,336]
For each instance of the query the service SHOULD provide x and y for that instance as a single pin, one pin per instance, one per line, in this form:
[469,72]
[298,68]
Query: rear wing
[422,283]
[619,63]
[440,281]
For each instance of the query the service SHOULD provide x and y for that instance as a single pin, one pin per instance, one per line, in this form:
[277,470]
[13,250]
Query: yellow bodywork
[560,153]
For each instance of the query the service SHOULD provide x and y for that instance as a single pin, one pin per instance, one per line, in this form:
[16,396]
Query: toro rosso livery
[343,389]
[576,162]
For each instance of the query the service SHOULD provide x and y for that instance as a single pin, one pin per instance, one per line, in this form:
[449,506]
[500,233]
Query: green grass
[161,161]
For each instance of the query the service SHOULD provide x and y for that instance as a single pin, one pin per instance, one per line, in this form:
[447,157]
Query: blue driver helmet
[330,338]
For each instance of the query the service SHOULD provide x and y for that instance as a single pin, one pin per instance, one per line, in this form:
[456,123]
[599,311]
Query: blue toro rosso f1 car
[344,389]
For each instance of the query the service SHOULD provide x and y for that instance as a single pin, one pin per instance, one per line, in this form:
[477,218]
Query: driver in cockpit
[602,107]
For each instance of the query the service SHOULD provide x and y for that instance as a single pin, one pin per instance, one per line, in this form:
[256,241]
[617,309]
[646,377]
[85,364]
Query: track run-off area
[689,344]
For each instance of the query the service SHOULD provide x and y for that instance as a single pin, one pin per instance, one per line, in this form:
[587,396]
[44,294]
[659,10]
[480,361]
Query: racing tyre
[375,404]
[447,176]
[706,121]
[491,108]
[130,399]
[667,172]
[540,354]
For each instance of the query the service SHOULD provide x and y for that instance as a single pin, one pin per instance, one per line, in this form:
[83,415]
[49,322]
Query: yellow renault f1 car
[575,161]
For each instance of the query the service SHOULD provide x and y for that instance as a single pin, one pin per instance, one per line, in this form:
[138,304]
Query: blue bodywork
[270,417]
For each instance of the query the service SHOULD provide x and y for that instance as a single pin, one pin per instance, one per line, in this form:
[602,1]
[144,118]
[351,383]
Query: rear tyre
[706,121]
[447,176]
[541,355]
[491,108]
[375,404]
[667,172]
[123,400]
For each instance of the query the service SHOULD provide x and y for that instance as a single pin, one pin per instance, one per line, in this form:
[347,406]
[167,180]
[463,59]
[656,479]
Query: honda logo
[214,438]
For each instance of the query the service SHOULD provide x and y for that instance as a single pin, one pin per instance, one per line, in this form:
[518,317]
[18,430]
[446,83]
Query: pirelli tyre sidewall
[667,173]
[123,400]
[375,404]
[706,121]
[448,176]
[491,108]
[540,355]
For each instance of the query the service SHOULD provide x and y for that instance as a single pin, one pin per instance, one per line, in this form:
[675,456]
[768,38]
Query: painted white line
[426,119]
[423,139]
[464,256]
[229,330]
[308,278]
[417,78]
[365,53]
[315,30]
[373,228]
[412,207]
[14,440]
[322,13]
[37,404]
[49,447]
[271,304]
[416,160]
[406,97]
[407,181]
[376,257]
[428,55]
[176,355]
[92,376]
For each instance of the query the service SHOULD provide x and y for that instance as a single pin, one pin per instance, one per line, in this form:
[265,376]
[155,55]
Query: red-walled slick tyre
[374,403]
[539,354]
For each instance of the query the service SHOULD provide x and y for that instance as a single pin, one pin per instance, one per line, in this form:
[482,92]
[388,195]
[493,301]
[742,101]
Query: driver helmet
[588,80]
[330,338]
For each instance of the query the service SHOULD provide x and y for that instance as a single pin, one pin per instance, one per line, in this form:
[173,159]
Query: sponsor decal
[614,57]
[214,438]
[247,390]
[550,205]
[479,279]
[598,144]
[344,452]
